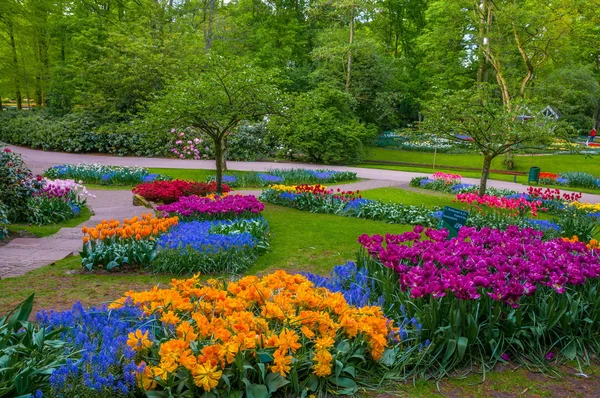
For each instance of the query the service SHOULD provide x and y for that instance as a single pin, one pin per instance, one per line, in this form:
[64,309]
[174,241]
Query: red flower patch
[170,191]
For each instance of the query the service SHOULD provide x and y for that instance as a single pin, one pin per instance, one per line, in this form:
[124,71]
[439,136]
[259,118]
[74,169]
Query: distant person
[592,135]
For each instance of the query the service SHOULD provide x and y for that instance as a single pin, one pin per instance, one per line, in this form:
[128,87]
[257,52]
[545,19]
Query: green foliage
[186,261]
[577,223]
[17,184]
[81,132]
[111,255]
[574,90]
[3,221]
[580,179]
[45,211]
[29,353]
[321,126]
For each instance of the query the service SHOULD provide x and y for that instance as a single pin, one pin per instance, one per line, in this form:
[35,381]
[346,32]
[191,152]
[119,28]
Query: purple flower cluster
[505,265]
[226,207]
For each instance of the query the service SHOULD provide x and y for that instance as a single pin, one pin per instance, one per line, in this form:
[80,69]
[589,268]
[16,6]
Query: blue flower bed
[229,179]
[267,178]
[218,246]
[352,282]
[544,225]
[356,204]
[100,362]
[456,188]
[196,235]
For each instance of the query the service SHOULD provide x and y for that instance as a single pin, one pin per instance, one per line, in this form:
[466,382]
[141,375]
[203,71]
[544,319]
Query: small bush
[17,185]
[580,179]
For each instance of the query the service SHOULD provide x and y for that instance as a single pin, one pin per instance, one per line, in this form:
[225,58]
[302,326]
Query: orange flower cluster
[280,320]
[147,226]
[591,245]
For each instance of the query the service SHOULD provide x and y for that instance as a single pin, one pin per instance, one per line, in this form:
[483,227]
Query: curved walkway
[24,254]
[38,161]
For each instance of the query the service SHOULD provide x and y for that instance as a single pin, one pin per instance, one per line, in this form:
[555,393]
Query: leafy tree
[481,115]
[216,96]
[321,124]
[575,92]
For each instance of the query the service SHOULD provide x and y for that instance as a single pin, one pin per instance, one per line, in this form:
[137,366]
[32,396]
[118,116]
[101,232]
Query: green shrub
[17,185]
[81,132]
[3,221]
[580,179]
[323,127]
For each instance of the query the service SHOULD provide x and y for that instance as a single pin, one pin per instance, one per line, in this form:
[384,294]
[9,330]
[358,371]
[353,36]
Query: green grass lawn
[47,230]
[549,163]
[414,197]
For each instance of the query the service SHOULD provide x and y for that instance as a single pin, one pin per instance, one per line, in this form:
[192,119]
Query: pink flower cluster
[196,207]
[448,178]
[186,148]
[516,205]
[61,188]
[503,265]
[553,194]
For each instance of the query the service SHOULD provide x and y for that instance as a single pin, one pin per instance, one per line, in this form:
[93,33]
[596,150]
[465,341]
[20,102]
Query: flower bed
[575,179]
[93,173]
[112,244]
[36,200]
[289,336]
[286,176]
[218,208]
[209,247]
[489,292]
[170,191]
[515,206]
[318,199]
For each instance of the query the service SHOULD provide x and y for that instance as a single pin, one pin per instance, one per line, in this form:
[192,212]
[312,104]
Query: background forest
[320,79]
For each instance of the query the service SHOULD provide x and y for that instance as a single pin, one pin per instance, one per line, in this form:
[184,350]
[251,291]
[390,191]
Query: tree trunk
[349,74]
[219,161]
[13,47]
[208,32]
[485,173]
[225,152]
[596,115]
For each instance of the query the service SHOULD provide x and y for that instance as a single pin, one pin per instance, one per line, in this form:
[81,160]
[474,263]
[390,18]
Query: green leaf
[22,381]
[111,265]
[259,391]
[22,314]
[389,357]
[156,394]
[463,342]
[275,381]
[312,383]
[450,348]
[349,386]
